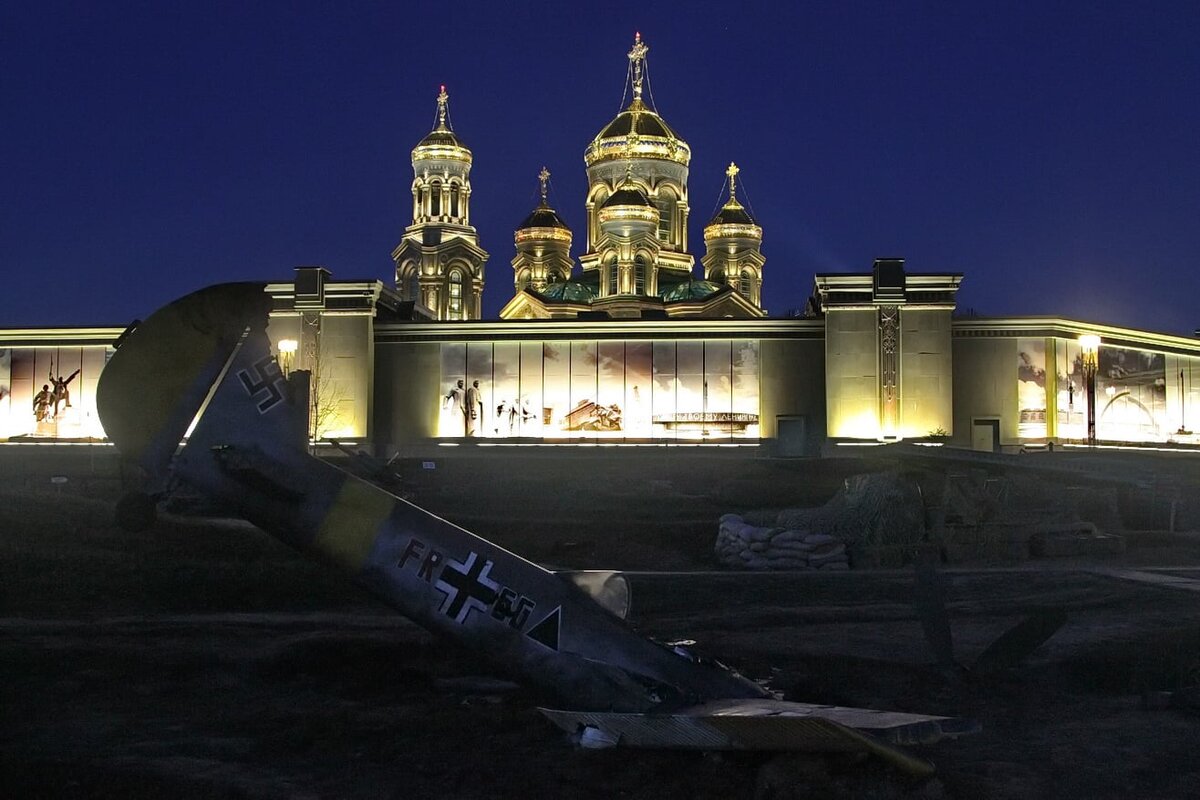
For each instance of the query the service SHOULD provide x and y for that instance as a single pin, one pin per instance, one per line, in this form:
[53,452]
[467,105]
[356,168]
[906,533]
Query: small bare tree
[326,396]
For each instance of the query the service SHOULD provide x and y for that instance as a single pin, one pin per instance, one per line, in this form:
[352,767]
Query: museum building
[630,345]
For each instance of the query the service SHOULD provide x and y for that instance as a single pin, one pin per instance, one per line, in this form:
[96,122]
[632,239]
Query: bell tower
[543,243]
[439,263]
[732,243]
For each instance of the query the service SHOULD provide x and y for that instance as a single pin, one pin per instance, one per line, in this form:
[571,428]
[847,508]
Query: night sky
[1049,152]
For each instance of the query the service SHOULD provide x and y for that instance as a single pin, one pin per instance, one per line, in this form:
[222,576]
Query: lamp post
[1090,345]
[287,351]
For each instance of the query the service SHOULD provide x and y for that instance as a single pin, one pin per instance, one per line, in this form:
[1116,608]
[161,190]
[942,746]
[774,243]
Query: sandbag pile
[741,545]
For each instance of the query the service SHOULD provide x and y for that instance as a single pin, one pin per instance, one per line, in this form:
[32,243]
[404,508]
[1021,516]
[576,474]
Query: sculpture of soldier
[60,393]
[454,403]
[474,409]
[41,403]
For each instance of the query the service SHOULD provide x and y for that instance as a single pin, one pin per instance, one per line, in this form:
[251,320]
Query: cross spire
[544,177]
[637,62]
[732,171]
[443,101]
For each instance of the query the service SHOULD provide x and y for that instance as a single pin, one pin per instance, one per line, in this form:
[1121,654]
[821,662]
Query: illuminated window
[745,284]
[523,278]
[435,199]
[612,278]
[639,275]
[664,203]
[454,200]
[410,282]
[594,228]
[454,307]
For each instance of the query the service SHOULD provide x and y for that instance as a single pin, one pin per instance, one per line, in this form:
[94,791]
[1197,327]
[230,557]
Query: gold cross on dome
[637,57]
[732,171]
[544,177]
[442,99]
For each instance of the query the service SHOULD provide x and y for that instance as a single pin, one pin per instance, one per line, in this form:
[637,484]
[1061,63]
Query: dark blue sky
[1049,152]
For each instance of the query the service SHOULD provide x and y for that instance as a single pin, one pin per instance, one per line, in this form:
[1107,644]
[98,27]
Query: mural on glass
[1031,388]
[600,389]
[1131,395]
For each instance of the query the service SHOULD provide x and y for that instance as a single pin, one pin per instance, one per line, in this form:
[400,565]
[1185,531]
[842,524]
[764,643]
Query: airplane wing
[768,725]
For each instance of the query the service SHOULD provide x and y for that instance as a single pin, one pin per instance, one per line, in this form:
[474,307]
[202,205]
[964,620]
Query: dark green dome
[543,217]
[569,292]
[690,290]
[733,214]
[627,195]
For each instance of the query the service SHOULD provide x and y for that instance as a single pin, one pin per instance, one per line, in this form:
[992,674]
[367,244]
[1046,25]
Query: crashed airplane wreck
[206,359]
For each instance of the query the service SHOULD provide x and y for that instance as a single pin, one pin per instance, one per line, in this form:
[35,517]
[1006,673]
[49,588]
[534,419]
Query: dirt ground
[202,659]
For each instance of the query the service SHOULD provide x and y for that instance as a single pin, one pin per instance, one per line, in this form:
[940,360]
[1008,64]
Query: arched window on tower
[435,199]
[410,285]
[454,304]
[612,278]
[666,205]
[745,284]
[599,195]
[639,275]
[454,200]
[522,279]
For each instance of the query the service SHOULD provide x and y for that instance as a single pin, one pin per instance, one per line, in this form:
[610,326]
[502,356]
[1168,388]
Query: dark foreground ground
[201,659]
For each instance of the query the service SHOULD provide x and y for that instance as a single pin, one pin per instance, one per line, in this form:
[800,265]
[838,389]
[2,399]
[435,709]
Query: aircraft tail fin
[255,407]
[165,367]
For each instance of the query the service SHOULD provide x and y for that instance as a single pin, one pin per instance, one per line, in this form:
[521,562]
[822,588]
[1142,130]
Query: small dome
[627,195]
[442,137]
[543,217]
[568,292]
[690,289]
[733,213]
[733,221]
[442,143]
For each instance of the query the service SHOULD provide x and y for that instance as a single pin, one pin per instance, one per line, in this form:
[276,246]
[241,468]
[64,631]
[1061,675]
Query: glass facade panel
[664,389]
[556,388]
[506,392]
[1131,395]
[531,388]
[610,391]
[1072,391]
[1031,388]
[639,371]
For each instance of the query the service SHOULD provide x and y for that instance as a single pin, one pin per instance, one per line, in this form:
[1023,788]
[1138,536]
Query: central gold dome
[637,132]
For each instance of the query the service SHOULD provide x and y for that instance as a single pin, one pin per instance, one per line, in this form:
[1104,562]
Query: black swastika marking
[266,377]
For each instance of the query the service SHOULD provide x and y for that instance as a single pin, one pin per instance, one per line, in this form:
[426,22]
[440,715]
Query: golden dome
[442,142]
[543,223]
[733,220]
[638,131]
[628,203]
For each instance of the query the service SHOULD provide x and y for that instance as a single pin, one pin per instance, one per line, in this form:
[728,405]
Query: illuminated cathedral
[628,344]
[636,262]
